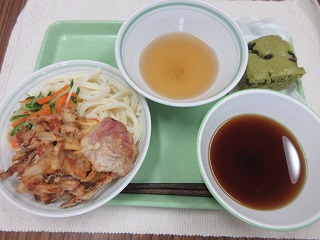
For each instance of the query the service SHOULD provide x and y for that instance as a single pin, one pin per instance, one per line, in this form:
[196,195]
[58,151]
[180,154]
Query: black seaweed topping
[267,57]
[293,57]
[251,45]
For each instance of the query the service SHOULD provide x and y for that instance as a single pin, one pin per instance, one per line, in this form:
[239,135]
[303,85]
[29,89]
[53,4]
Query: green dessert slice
[272,64]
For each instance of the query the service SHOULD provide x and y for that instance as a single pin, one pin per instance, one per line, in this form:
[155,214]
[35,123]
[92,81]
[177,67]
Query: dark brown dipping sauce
[248,161]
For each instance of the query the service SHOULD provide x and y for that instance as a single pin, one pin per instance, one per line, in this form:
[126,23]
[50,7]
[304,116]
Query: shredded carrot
[60,103]
[76,167]
[43,100]
[14,142]
[45,110]
[79,172]
[29,100]
[68,105]
[73,94]
[19,121]
[56,93]
[96,119]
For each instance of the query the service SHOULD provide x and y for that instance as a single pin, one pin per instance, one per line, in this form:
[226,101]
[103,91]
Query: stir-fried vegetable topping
[54,102]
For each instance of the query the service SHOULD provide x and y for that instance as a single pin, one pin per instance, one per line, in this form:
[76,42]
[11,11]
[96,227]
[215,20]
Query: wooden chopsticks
[179,189]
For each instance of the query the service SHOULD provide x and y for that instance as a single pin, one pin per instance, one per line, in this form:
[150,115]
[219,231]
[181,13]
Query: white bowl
[302,122]
[205,21]
[29,85]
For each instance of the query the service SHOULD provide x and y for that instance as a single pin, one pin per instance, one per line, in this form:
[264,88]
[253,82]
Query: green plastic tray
[171,157]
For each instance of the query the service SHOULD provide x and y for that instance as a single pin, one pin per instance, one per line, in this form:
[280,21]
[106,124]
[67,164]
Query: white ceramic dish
[29,85]
[205,21]
[305,126]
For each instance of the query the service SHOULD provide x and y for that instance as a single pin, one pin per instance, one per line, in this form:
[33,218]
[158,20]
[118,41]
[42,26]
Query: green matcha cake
[272,64]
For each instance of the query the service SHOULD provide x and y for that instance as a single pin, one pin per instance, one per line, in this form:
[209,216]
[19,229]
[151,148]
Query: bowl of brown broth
[181,53]
[242,156]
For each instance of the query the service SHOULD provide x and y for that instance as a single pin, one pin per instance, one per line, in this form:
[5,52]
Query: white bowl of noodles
[104,93]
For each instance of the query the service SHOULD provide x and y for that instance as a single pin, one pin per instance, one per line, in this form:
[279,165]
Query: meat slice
[109,147]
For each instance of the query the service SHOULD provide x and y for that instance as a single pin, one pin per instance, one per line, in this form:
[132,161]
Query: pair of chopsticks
[178,189]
